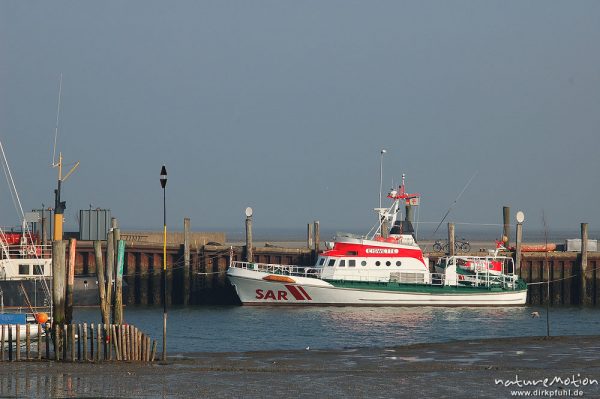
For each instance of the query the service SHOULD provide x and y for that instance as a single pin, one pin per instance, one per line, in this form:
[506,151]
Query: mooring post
[119,257]
[101,282]
[119,266]
[506,223]
[317,238]
[249,252]
[586,299]
[58,290]
[450,238]
[110,271]
[186,261]
[519,237]
[70,281]
[309,236]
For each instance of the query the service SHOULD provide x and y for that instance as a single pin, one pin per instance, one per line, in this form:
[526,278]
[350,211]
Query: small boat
[385,268]
[25,274]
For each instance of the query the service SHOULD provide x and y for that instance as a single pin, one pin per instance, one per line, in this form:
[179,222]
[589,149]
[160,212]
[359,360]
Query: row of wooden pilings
[197,275]
[76,343]
[70,341]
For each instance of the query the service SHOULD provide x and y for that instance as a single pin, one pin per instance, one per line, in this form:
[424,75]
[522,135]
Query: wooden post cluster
[110,276]
[78,343]
[11,348]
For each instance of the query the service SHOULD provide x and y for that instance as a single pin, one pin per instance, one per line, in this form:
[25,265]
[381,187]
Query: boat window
[363,263]
[351,263]
[24,270]
[321,261]
[398,263]
[331,262]
[351,253]
[378,263]
[38,270]
[388,263]
[343,263]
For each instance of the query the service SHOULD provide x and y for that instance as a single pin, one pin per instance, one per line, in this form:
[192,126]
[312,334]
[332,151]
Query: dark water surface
[244,328]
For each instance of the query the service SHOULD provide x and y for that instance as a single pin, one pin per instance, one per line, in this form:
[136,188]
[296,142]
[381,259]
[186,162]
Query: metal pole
[163,184]
[164,354]
[381,176]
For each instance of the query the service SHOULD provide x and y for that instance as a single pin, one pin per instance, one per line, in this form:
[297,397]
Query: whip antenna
[455,201]
[54,164]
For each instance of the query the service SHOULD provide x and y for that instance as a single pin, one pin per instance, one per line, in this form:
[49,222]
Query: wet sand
[459,369]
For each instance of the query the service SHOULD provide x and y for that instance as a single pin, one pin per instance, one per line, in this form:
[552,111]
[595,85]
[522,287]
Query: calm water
[244,328]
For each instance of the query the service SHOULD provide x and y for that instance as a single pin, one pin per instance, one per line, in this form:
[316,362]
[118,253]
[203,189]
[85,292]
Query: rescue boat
[386,268]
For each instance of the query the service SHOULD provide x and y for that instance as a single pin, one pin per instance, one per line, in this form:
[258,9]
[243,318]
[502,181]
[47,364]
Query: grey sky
[284,106]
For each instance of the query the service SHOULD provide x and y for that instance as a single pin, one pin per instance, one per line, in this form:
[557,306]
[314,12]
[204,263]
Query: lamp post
[163,184]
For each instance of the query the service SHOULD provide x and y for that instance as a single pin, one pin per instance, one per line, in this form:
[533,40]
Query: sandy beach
[555,367]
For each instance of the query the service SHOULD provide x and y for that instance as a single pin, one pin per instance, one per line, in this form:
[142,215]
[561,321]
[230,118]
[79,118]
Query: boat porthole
[363,263]
[377,263]
[388,263]
[398,263]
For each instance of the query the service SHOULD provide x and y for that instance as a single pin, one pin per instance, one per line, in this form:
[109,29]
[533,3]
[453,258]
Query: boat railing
[286,270]
[28,251]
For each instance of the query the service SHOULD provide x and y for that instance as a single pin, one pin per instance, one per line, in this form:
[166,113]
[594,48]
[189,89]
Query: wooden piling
[98,341]
[65,341]
[92,333]
[58,282]
[85,338]
[249,249]
[110,271]
[79,343]
[309,236]
[2,343]
[153,353]
[100,272]
[506,224]
[119,281]
[70,281]
[58,291]
[48,333]
[186,262]
[18,342]
[317,238]
[518,252]
[39,342]
[115,342]
[72,328]
[27,341]
[585,289]
[451,239]
[10,343]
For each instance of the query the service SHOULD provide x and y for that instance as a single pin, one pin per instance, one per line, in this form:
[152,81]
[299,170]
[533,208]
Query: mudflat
[545,367]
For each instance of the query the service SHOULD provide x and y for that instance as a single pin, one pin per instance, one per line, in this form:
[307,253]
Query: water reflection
[241,328]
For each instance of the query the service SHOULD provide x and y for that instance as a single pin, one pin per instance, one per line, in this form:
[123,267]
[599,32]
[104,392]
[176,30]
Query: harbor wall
[143,273]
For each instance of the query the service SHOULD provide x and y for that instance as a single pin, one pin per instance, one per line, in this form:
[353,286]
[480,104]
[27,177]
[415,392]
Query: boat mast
[59,206]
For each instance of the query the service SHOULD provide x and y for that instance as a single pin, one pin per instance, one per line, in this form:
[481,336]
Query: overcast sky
[285,105]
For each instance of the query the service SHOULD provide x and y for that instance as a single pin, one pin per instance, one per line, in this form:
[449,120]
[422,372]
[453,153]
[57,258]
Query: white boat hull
[253,290]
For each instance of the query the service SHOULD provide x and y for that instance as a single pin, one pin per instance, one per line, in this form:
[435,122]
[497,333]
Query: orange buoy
[41,317]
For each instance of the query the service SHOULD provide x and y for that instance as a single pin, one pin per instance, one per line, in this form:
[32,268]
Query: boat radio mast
[59,206]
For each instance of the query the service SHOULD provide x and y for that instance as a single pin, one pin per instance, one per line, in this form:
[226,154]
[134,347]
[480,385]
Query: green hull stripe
[423,288]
